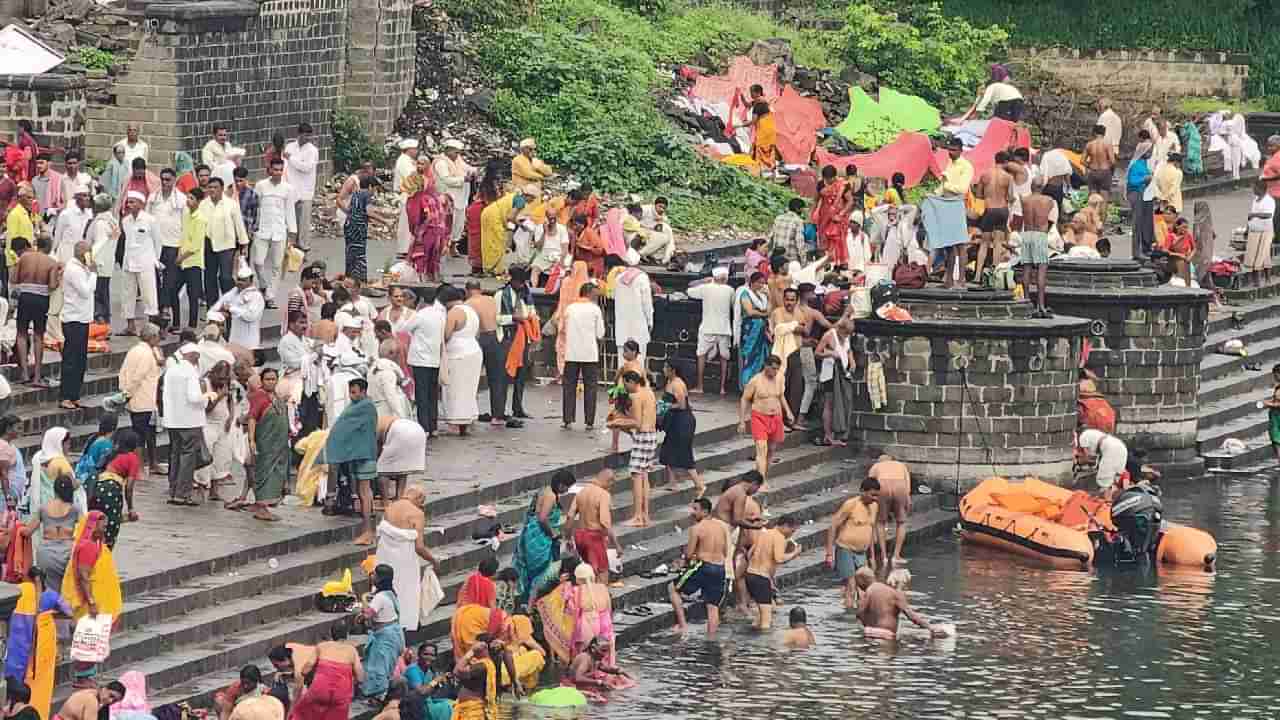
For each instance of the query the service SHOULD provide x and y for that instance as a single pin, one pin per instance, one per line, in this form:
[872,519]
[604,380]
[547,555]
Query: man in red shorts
[764,397]
[592,521]
[895,499]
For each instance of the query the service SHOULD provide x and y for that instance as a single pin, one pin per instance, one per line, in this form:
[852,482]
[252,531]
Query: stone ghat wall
[259,69]
[55,105]
[1155,73]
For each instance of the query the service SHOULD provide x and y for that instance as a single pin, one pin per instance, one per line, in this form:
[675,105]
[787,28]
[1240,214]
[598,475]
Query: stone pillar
[974,388]
[380,67]
[1147,341]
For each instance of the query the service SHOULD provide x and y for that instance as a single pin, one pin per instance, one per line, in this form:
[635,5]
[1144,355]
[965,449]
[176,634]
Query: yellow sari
[103,578]
[528,662]
[765,150]
[493,232]
[310,472]
[475,708]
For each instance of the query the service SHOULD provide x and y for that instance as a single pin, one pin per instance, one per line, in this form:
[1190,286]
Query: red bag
[910,276]
[17,558]
[1097,413]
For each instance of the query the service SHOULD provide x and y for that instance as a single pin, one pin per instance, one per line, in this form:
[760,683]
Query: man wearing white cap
[715,334]
[245,304]
[226,170]
[406,165]
[452,173]
[141,259]
[184,415]
[277,225]
[527,169]
[215,151]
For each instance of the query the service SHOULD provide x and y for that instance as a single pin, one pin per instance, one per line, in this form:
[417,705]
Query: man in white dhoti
[406,165]
[633,310]
[894,232]
[401,543]
[461,364]
[403,444]
[453,176]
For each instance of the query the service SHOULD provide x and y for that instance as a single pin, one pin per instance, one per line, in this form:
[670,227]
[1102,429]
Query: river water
[1032,643]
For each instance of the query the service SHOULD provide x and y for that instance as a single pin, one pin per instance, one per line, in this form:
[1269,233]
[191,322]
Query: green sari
[537,554]
[271,464]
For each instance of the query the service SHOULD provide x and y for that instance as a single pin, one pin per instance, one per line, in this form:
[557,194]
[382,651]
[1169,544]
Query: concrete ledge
[1061,326]
[203,10]
[52,82]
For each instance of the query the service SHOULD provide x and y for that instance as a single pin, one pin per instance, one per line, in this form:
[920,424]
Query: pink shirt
[1272,169]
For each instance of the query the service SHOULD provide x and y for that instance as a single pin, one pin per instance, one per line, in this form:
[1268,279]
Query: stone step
[1255,328]
[1256,455]
[1216,365]
[170,667]
[1243,386]
[1224,411]
[1209,439]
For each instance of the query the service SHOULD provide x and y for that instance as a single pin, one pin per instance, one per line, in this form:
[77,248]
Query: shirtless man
[338,671]
[815,325]
[994,188]
[895,499]
[35,276]
[1039,212]
[798,636]
[742,513]
[641,421]
[881,605]
[770,551]
[1100,163]
[407,513]
[495,361]
[779,280]
[288,660]
[703,575]
[1019,162]
[592,522]
[852,537]
[763,398]
[85,704]
[586,666]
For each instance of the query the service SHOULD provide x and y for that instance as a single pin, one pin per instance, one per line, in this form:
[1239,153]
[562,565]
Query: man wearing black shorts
[994,187]
[35,276]
[771,549]
[704,578]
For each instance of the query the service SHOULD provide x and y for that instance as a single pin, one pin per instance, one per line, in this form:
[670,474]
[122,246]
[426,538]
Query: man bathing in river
[590,516]
[738,508]
[705,558]
[854,532]
[799,636]
[880,606]
[895,499]
[772,548]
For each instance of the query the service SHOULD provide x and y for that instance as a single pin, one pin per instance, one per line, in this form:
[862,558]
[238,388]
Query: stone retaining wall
[55,105]
[1155,73]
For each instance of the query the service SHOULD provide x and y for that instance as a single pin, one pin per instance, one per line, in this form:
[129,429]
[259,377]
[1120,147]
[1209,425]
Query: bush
[94,58]
[351,144]
[921,51]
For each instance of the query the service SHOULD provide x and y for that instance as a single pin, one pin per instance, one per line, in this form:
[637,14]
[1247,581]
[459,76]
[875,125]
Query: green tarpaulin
[872,125]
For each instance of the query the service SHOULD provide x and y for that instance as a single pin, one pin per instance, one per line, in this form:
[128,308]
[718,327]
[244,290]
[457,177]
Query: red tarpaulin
[799,119]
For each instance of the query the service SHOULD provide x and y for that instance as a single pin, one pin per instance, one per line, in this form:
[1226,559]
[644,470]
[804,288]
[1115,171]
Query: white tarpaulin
[21,53]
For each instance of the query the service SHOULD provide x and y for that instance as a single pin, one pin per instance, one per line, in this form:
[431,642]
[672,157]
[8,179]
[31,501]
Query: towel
[396,547]
[785,342]
[875,384]
[944,221]
[354,436]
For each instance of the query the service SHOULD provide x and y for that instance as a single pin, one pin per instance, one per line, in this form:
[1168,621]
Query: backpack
[883,292]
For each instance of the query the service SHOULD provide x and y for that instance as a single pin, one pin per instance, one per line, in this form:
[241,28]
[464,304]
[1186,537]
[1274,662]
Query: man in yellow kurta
[493,226]
[765,149]
[525,168]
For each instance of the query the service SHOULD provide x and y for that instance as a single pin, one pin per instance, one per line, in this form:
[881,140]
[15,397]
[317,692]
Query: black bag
[883,293]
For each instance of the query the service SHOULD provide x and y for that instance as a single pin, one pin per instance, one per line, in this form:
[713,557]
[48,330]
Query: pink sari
[430,216]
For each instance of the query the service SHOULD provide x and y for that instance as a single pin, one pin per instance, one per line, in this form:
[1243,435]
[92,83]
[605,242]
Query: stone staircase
[1229,392]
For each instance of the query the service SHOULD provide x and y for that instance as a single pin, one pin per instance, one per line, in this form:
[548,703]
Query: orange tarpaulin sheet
[799,119]
[911,154]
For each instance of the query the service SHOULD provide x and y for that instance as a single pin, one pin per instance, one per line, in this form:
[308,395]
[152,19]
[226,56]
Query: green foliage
[94,58]
[717,32]
[351,144]
[477,14]
[94,167]
[1201,105]
[921,51]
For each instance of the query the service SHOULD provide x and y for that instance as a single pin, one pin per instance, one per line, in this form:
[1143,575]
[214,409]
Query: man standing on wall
[215,151]
[301,157]
[277,224]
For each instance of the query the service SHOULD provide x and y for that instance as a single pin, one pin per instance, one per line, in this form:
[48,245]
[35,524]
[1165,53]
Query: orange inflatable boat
[1070,529]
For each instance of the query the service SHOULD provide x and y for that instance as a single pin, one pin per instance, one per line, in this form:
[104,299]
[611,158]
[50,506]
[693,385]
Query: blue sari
[537,553]
[90,462]
[382,649]
[753,347]
[1192,159]
[433,708]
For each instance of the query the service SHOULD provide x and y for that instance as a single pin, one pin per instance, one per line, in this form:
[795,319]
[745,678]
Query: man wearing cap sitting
[527,169]
[452,173]
[245,304]
[141,259]
[184,414]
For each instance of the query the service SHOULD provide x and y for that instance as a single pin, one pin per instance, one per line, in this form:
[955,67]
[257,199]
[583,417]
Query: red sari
[589,247]
[831,215]
[473,232]
[430,215]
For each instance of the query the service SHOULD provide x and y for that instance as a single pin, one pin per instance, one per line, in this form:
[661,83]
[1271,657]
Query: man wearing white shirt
[277,224]
[452,174]
[133,146]
[104,233]
[1111,122]
[141,258]
[245,305]
[167,207]
[78,284]
[226,169]
[426,337]
[301,157]
[75,178]
[69,229]
[551,246]
[406,165]
[583,330]
[215,151]
[633,310]
[226,233]
[184,415]
[715,334]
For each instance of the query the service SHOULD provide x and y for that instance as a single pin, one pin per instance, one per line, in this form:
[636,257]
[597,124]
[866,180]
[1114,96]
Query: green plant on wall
[94,58]
[351,144]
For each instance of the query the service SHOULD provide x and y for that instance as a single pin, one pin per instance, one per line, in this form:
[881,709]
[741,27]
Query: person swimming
[881,605]
[799,636]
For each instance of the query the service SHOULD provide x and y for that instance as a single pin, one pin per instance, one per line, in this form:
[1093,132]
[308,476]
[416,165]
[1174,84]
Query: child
[1181,245]
[1273,414]
[799,636]
[618,393]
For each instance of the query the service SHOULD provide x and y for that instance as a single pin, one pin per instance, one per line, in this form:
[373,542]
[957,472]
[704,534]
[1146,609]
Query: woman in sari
[570,288]
[32,652]
[493,230]
[114,489]
[269,446]
[48,464]
[57,520]
[591,607]
[355,231]
[92,586]
[96,453]
[386,638]
[537,556]
[429,214]
[398,314]
[422,678]
[11,462]
[751,320]
[1192,160]
[477,679]
[831,215]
